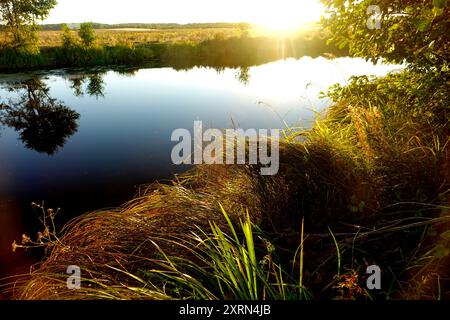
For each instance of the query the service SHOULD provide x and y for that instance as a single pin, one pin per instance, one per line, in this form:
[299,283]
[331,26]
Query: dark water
[87,140]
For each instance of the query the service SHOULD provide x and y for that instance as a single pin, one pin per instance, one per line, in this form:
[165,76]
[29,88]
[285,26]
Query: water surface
[86,140]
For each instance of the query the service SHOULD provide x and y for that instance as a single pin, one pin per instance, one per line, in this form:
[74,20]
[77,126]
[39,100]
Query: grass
[76,56]
[227,267]
[179,48]
[112,37]
[368,184]
[137,36]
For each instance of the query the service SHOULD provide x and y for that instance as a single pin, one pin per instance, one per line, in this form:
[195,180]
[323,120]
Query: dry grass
[113,37]
[116,36]
[135,36]
[114,247]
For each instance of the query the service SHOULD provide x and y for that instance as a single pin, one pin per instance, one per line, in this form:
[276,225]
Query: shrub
[67,37]
[87,33]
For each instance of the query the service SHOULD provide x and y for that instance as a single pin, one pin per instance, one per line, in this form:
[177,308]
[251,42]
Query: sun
[287,15]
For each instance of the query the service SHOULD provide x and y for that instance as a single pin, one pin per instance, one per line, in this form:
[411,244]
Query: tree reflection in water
[243,75]
[44,124]
[95,86]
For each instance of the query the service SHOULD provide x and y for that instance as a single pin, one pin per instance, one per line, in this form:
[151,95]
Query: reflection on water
[243,75]
[95,84]
[86,140]
[44,124]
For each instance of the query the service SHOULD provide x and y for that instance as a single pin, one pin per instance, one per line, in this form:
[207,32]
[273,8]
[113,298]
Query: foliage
[415,31]
[74,56]
[87,33]
[68,40]
[424,94]
[20,19]
[226,267]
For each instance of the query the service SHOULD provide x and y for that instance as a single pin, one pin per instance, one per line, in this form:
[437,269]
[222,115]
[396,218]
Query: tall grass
[226,266]
[367,185]
[75,56]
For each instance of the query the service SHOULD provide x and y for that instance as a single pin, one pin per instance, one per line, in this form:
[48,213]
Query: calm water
[99,135]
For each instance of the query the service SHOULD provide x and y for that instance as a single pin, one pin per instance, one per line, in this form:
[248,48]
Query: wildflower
[348,286]
[25,239]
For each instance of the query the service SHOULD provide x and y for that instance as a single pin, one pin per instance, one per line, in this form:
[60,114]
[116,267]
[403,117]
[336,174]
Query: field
[113,37]
[140,36]
[182,47]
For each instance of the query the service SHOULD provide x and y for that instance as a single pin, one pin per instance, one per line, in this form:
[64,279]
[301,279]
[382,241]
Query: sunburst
[283,16]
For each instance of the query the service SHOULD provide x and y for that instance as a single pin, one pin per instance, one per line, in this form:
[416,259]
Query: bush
[67,37]
[87,33]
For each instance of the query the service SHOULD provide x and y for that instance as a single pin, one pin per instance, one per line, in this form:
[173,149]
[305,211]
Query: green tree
[67,37]
[413,30]
[87,33]
[20,16]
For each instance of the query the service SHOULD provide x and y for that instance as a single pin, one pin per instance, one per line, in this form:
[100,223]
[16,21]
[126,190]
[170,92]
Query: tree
[44,124]
[413,30]
[67,38]
[87,33]
[20,16]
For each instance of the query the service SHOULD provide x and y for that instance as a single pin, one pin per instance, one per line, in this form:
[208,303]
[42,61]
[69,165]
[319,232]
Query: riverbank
[367,185]
[235,51]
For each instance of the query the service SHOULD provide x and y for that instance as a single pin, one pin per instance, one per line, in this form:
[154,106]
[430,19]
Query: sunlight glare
[287,15]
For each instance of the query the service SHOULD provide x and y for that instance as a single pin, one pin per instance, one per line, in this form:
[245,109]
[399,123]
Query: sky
[274,12]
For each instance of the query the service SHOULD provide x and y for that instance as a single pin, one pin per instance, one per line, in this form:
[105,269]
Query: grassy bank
[369,184]
[176,48]
[51,58]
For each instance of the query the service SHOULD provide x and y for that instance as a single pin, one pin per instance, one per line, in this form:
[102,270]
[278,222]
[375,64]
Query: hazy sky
[185,11]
